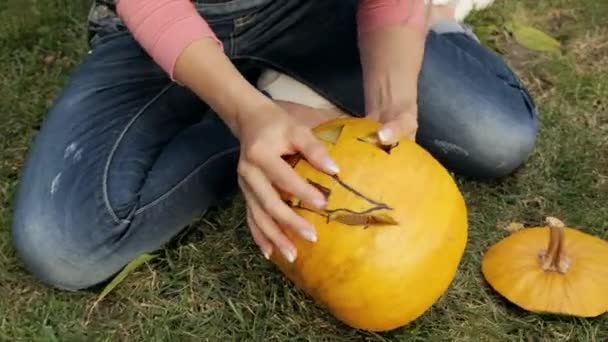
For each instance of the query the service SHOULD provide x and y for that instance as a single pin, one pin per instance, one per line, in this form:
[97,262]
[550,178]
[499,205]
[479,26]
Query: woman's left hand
[391,98]
[391,59]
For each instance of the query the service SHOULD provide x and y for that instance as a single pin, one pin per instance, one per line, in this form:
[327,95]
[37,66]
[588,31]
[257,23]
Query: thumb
[397,128]
[373,115]
[390,133]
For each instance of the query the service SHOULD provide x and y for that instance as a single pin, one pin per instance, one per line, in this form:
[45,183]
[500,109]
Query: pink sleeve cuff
[164,28]
[376,14]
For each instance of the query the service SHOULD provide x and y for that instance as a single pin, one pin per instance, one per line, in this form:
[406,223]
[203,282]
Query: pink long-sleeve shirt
[164,28]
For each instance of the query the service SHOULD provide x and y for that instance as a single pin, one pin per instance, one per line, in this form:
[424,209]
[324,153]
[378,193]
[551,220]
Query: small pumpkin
[391,237]
[550,269]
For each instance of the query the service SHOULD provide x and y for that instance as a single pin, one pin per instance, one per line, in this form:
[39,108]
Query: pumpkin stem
[554,259]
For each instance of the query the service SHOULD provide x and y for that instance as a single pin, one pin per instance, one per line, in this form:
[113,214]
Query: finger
[402,126]
[284,177]
[314,151]
[269,228]
[270,201]
[375,115]
[258,236]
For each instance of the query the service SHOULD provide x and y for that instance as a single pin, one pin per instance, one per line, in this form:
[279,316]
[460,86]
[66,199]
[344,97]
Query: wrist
[389,53]
[391,45]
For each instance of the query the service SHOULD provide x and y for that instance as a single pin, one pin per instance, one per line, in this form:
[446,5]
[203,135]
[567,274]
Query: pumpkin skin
[379,277]
[576,286]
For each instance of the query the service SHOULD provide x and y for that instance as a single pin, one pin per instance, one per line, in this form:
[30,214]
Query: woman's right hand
[267,133]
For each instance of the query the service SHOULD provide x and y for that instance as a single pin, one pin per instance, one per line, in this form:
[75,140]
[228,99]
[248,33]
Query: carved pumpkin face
[391,237]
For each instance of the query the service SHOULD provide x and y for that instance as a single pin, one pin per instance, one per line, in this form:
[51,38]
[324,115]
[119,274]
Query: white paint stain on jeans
[73,151]
[70,150]
[448,147]
[78,155]
[55,183]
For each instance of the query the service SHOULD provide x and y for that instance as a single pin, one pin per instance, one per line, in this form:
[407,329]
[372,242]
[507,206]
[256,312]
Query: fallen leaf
[513,227]
[532,38]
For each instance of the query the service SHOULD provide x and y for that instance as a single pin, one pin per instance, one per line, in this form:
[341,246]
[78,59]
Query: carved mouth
[377,215]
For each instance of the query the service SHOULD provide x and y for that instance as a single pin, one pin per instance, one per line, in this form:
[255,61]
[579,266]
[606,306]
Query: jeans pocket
[100,38]
[529,100]
[231,8]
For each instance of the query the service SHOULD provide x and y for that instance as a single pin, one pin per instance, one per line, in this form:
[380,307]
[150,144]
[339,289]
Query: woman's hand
[391,58]
[268,134]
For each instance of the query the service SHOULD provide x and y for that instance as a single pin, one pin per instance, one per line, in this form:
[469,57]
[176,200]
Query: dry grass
[211,283]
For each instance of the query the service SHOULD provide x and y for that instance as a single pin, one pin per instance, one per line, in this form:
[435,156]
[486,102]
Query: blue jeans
[125,158]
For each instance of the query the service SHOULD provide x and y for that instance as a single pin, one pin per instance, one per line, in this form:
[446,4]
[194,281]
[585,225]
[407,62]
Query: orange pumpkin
[391,237]
[550,269]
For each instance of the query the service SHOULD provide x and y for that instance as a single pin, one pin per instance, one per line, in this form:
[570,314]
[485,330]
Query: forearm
[208,72]
[377,14]
[392,45]
[392,32]
[181,42]
[164,28]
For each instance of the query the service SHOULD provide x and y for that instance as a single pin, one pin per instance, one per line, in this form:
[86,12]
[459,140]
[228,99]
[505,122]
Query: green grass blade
[533,39]
[131,266]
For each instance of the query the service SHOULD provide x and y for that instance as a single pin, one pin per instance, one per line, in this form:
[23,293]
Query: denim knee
[504,147]
[49,252]
[501,144]
[476,116]
[46,258]
[51,244]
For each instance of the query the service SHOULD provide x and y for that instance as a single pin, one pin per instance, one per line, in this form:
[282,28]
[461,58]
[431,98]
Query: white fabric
[462,8]
[285,88]
[282,87]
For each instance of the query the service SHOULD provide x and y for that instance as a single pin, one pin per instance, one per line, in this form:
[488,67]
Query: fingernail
[319,203]
[385,134]
[290,255]
[266,254]
[310,235]
[332,166]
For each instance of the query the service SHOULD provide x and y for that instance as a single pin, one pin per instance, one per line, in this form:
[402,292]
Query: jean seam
[243,22]
[98,40]
[106,170]
[232,49]
[235,5]
[467,53]
[517,84]
[183,181]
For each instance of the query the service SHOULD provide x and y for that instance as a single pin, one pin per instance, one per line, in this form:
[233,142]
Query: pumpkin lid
[552,269]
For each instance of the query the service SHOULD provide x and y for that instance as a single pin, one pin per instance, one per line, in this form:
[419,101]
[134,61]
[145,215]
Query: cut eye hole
[330,135]
[325,191]
[372,138]
[293,159]
[370,219]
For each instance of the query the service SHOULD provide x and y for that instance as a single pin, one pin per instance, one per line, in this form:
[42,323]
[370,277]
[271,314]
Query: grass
[211,283]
